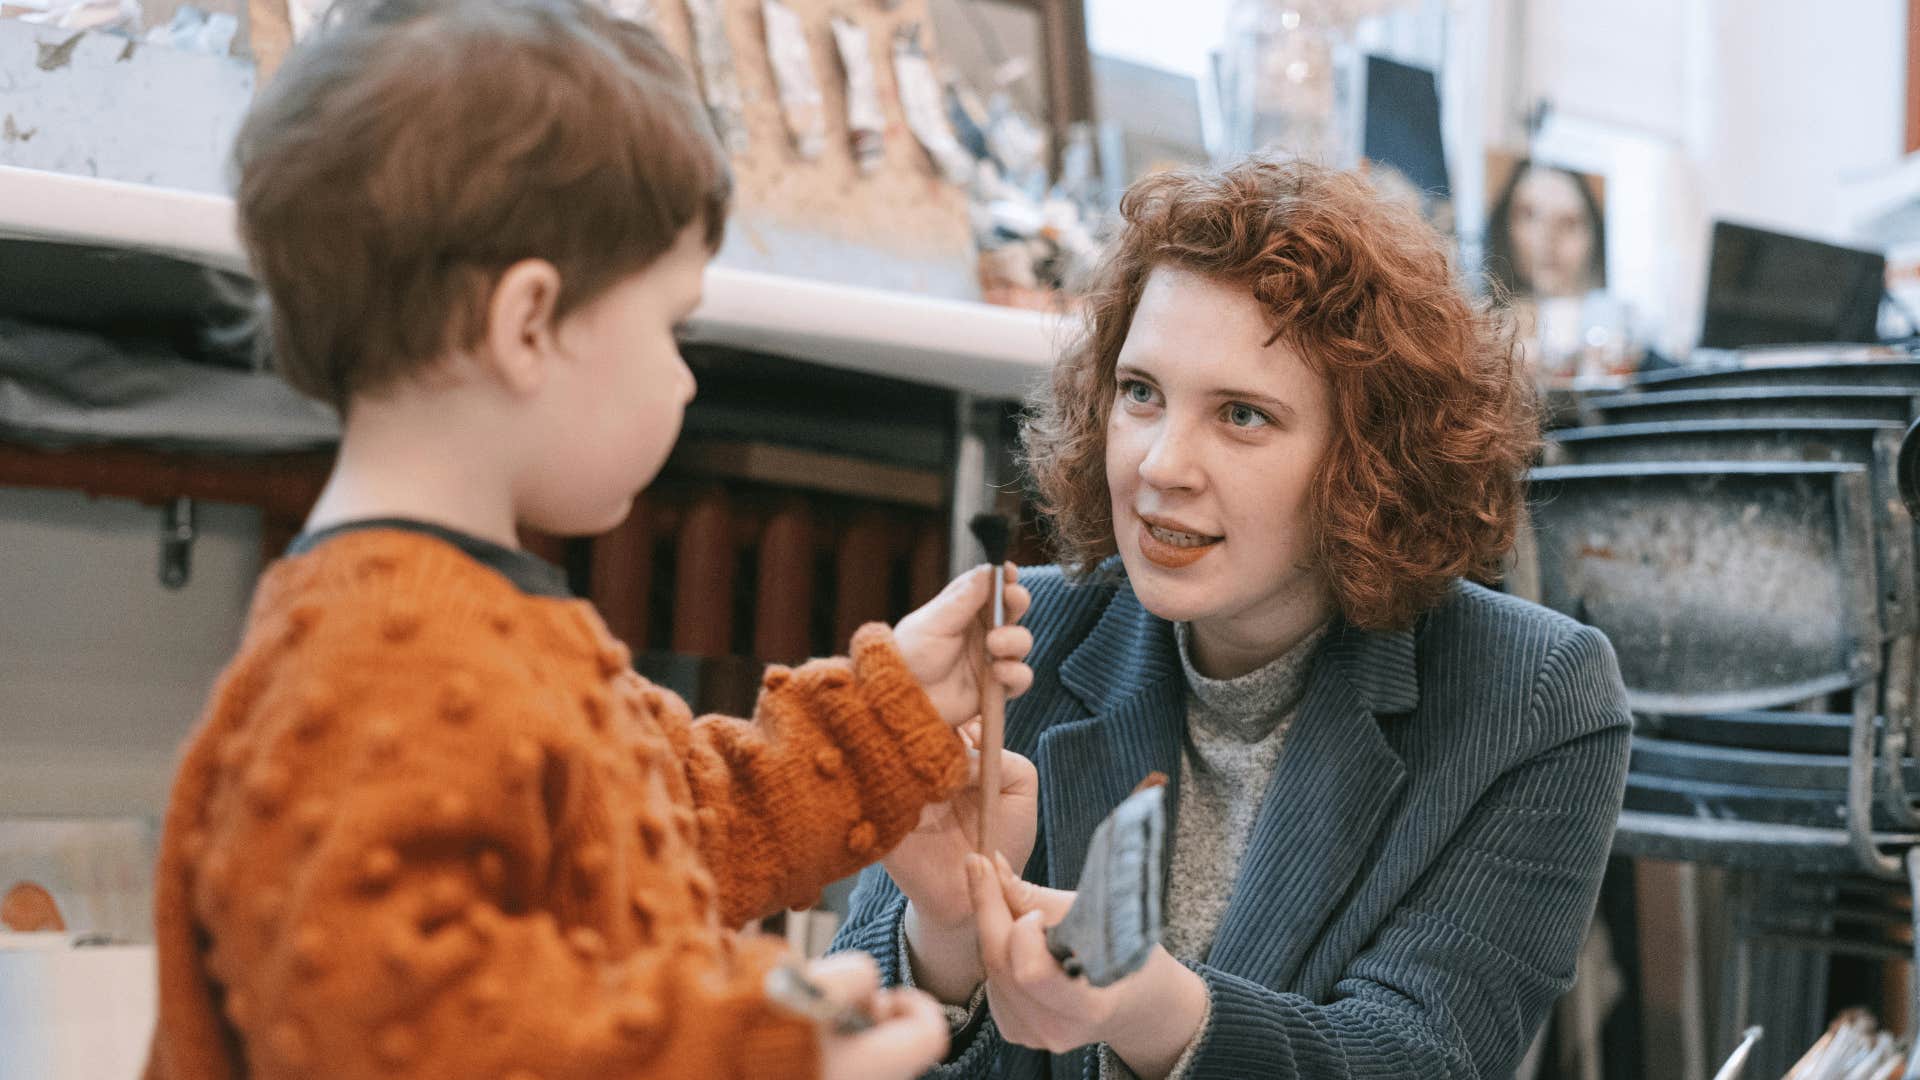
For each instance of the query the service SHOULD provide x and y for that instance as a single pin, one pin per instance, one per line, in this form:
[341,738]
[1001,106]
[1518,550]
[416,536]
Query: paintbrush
[787,985]
[993,531]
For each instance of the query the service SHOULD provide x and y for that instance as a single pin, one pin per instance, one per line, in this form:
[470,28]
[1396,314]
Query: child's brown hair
[416,149]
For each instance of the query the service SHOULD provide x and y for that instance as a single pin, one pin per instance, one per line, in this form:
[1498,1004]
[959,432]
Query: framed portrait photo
[1546,228]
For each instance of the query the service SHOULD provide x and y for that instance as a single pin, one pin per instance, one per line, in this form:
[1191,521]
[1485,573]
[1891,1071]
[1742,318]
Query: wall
[102,670]
[98,105]
[1799,105]
[1759,111]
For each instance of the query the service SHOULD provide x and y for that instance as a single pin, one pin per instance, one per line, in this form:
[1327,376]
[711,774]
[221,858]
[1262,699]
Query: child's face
[612,405]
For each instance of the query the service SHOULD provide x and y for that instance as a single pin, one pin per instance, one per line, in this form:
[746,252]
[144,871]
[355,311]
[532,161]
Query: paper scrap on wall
[925,107]
[104,16]
[719,83]
[866,124]
[194,30]
[800,99]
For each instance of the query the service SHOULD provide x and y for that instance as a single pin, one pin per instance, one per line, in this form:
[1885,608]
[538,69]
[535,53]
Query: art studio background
[1650,186]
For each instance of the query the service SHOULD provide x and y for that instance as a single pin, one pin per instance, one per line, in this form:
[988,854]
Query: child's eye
[1246,416]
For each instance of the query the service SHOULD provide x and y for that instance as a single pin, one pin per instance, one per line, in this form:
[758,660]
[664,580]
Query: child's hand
[908,1037]
[937,642]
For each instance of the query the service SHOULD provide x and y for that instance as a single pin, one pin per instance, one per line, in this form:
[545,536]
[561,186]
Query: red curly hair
[1434,422]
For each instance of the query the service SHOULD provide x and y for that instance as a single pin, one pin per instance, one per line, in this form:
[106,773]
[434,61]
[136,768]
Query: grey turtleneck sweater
[1235,731]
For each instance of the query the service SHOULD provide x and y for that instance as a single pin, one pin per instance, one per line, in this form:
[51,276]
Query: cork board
[899,227]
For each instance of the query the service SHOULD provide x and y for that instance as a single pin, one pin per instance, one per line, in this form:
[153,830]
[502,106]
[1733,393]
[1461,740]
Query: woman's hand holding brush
[941,639]
[1148,1018]
[927,865]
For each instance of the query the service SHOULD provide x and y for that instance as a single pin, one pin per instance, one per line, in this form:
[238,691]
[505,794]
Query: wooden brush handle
[993,737]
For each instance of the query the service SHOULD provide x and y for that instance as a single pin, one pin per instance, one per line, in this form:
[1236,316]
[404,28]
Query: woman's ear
[521,327]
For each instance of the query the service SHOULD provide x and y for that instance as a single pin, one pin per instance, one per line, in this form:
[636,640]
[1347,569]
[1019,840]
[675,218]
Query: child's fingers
[959,605]
[911,1036]
[1015,675]
[966,601]
[849,978]
[1009,646]
[1017,600]
[1009,642]
[932,816]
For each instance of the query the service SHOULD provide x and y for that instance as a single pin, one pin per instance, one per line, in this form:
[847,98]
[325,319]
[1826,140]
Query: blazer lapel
[1336,781]
[1126,674]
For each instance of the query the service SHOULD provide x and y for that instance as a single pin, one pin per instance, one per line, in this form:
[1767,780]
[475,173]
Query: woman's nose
[1170,462]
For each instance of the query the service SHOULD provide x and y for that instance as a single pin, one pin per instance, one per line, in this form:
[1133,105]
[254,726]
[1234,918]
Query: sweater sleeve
[830,773]
[384,891]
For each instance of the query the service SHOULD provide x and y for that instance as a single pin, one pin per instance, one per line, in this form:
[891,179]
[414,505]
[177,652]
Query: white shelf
[986,350]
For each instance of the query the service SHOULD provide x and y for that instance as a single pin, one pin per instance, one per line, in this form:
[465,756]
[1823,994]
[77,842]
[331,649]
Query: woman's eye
[1246,416]
[1136,392]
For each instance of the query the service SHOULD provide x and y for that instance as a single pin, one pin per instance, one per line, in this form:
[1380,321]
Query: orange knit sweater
[432,826]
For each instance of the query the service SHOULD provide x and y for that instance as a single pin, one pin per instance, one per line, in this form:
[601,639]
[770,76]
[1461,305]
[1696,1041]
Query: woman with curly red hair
[1277,464]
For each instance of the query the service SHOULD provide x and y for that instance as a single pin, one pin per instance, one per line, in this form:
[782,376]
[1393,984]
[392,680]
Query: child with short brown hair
[433,824]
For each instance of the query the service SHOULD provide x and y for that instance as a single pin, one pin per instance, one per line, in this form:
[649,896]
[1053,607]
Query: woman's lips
[1172,550]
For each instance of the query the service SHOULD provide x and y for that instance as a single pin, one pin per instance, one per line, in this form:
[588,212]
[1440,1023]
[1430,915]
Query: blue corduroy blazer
[1424,865]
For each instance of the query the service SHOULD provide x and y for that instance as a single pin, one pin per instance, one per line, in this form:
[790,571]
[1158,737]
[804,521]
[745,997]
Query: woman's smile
[1171,544]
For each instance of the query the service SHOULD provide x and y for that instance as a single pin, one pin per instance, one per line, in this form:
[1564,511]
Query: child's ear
[520,324]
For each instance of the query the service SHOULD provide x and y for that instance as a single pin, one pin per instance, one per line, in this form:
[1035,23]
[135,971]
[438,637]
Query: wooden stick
[993,714]
[993,531]
[993,735]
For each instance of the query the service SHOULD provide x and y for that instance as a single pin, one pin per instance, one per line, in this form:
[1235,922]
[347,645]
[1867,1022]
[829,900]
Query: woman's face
[1213,440]
[1552,238]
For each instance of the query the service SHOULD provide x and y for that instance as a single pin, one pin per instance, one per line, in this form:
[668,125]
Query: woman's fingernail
[973,870]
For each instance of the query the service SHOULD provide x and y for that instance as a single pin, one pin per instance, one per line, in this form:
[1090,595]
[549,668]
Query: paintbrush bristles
[994,532]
